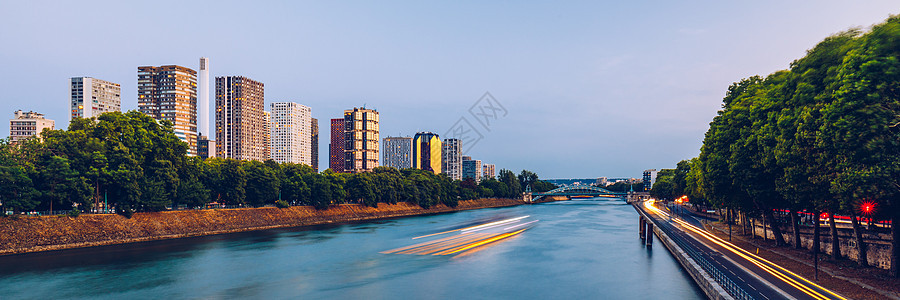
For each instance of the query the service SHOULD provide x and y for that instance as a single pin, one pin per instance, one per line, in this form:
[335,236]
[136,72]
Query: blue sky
[593,88]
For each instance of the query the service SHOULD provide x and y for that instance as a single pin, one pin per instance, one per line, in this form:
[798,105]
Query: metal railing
[729,285]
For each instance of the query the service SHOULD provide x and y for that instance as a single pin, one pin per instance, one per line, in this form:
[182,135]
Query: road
[755,277]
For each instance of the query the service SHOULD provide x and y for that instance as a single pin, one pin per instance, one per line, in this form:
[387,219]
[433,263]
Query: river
[580,249]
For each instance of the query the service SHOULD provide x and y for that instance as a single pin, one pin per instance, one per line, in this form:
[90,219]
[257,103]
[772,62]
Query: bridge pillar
[641,226]
[649,235]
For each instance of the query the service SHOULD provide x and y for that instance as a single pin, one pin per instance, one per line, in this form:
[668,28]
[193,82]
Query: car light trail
[766,265]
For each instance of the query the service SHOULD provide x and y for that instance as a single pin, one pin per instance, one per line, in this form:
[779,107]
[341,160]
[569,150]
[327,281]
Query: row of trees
[822,136]
[133,163]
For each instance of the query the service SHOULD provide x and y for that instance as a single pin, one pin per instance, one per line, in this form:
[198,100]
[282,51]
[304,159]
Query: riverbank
[35,234]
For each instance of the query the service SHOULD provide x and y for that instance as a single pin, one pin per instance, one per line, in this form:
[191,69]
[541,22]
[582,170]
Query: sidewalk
[843,277]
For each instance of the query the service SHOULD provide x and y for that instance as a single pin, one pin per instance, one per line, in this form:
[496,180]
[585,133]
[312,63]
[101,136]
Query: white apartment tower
[203,97]
[27,124]
[91,97]
[452,158]
[291,133]
[397,152]
[487,171]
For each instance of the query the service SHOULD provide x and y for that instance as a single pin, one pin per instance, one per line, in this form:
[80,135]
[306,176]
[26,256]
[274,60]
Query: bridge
[574,191]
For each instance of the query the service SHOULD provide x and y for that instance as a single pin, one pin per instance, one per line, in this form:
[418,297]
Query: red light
[867,208]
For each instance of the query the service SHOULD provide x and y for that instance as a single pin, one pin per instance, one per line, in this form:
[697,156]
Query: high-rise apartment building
[360,140]
[471,168]
[170,93]
[91,97]
[427,152]
[451,156]
[267,135]
[397,152]
[240,119]
[27,124]
[649,179]
[203,97]
[487,171]
[336,153]
[314,143]
[291,133]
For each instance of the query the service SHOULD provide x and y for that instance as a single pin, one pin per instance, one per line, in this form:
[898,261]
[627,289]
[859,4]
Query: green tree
[512,183]
[191,191]
[262,184]
[17,193]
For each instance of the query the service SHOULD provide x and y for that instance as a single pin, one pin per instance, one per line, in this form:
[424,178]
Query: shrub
[125,211]
[74,213]
[281,204]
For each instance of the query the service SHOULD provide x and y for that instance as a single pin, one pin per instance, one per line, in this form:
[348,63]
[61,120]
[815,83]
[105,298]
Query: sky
[587,88]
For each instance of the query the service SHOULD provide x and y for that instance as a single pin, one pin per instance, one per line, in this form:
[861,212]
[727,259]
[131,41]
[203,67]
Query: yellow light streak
[426,243]
[453,244]
[479,248]
[759,262]
[493,239]
[473,227]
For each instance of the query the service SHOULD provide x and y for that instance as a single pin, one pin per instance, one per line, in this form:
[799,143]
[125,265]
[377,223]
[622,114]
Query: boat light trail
[469,240]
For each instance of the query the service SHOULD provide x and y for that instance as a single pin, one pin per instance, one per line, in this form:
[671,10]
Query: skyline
[569,75]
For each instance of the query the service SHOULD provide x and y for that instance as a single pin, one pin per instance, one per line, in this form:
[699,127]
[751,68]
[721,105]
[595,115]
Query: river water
[581,249]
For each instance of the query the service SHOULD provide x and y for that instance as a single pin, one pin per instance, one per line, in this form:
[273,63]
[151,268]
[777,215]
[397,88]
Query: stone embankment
[33,234]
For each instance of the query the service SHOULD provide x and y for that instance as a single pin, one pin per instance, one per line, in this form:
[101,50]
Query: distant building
[397,152]
[336,153]
[361,140]
[471,168]
[27,124]
[314,143]
[91,97]
[203,98]
[602,181]
[170,93]
[291,133]
[487,171]
[427,152]
[451,157]
[240,119]
[206,148]
[649,179]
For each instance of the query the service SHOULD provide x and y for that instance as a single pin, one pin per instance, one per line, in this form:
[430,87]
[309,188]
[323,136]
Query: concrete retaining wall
[878,245]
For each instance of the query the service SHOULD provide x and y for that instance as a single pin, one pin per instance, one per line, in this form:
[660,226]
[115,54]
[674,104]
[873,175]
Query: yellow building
[360,140]
[427,152]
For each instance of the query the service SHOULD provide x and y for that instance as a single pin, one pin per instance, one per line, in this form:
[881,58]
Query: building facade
[203,97]
[291,133]
[27,124]
[451,157]
[397,152]
[471,168]
[649,179]
[427,152]
[206,148]
[170,93]
[314,143]
[240,119]
[336,147]
[361,140]
[487,171]
[267,135]
[90,97]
